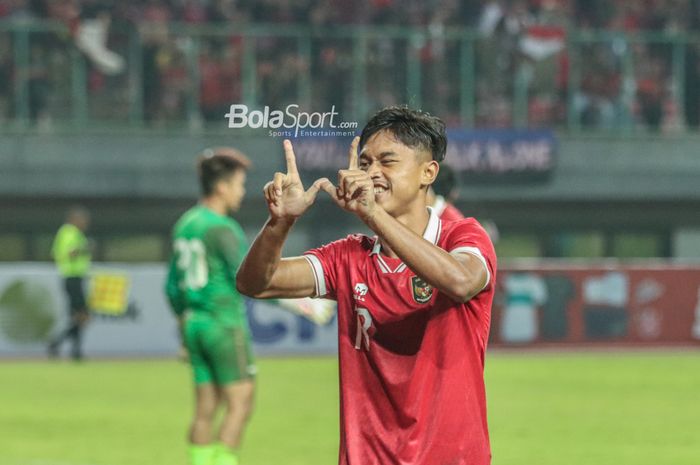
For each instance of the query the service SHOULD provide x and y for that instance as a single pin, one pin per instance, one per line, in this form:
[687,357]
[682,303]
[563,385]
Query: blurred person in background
[692,71]
[6,70]
[38,84]
[71,252]
[443,193]
[88,22]
[651,93]
[208,247]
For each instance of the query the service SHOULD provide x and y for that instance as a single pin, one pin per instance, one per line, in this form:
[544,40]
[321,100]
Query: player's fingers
[349,183]
[341,180]
[348,187]
[352,155]
[289,155]
[356,187]
[339,194]
[328,187]
[347,174]
[278,181]
[270,193]
[267,191]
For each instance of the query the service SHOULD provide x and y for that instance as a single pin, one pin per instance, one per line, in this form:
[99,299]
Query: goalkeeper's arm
[173,292]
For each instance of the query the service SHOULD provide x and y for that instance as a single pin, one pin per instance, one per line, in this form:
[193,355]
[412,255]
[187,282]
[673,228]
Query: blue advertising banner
[502,152]
[488,154]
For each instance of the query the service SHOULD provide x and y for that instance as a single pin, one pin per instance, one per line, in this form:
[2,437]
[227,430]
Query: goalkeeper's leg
[201,447]
[206,398]
[230,352]
[238,399]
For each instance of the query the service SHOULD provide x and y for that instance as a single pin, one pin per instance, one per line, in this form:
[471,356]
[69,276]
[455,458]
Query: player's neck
[416,219]
[430,197]
[214,204]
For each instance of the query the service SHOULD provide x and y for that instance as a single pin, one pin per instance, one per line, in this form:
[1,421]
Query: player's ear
[429,172]
[220,187]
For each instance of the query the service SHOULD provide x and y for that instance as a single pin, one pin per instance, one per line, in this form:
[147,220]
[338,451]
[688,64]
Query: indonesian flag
[540,42]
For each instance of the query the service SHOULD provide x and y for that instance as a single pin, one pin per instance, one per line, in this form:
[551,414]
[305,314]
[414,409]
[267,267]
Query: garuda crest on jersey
[422,291]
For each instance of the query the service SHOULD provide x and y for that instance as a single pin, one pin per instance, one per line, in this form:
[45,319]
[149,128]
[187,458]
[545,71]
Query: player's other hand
[285,194]
[355,190]
[183,355]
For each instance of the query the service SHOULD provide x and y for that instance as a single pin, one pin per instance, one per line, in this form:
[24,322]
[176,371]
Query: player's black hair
[219,163]
[445,182]
[413,128]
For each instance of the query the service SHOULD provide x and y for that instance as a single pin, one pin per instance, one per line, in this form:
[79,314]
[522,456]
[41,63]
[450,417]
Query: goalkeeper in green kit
[208,247]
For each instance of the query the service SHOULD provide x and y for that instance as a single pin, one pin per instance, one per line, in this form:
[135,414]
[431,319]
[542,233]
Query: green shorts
[218,354]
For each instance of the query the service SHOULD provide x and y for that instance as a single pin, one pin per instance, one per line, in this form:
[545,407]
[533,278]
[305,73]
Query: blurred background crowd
[630,15]
[635,61]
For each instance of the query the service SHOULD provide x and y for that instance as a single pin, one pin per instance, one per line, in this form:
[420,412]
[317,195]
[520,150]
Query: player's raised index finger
[352,155]
[289,155]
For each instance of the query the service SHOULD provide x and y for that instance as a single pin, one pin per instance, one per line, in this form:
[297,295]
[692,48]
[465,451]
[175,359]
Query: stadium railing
[187,75]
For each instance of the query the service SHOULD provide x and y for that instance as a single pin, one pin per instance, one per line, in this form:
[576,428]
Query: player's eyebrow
[380,156]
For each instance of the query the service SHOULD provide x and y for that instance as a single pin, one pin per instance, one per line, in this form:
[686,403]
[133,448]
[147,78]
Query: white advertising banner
[130,315]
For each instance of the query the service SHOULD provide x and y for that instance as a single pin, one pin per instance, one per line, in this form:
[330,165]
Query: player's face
[233,190]
[82,221]
[398,172]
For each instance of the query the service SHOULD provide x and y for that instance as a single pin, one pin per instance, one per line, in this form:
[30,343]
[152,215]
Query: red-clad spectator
[194,12]
[220,83]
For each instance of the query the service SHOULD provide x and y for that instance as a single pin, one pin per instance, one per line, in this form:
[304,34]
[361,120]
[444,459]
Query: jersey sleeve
[468,236]
[325,262]
[228,245]
[172,288]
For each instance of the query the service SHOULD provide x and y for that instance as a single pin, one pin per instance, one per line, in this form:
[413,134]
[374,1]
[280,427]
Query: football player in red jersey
[414,301]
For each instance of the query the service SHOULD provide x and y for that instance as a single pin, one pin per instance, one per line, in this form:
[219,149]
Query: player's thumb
[315,187]
[325,185]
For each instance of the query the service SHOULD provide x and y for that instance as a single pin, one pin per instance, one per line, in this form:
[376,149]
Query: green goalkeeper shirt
[207,250]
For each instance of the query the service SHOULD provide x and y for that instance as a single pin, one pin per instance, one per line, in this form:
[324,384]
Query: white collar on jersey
[431,234]
[439,205]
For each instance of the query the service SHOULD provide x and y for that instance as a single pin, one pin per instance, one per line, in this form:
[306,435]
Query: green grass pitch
[616,408]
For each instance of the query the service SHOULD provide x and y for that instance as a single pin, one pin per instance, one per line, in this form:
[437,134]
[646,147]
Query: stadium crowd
[516,38]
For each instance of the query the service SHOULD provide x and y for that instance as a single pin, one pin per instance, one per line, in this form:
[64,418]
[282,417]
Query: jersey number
[192,262]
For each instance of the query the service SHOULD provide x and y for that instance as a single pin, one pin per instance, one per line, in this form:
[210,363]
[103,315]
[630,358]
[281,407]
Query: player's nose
[374,170]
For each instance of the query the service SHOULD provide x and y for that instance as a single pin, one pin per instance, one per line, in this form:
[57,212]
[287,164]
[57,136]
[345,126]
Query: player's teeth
[379,190]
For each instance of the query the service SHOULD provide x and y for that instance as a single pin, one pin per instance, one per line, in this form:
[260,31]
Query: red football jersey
[411,359]
[445,210]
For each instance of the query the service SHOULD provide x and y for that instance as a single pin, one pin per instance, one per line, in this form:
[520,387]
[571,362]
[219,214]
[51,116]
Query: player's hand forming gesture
[285,194]
[355,190]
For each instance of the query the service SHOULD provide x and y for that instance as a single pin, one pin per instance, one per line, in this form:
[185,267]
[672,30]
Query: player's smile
[380,191]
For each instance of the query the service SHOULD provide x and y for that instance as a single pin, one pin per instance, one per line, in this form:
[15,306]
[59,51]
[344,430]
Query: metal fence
[187,76]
